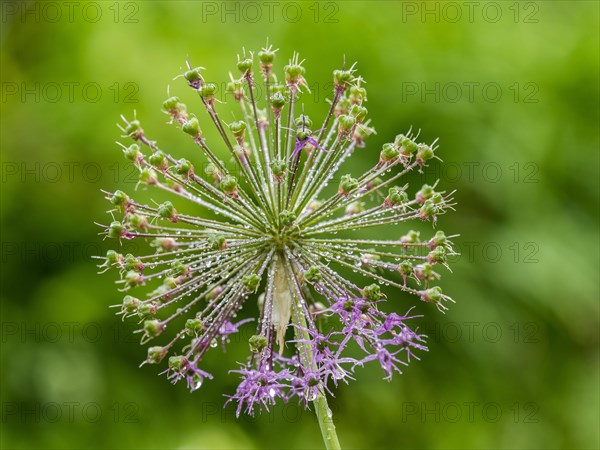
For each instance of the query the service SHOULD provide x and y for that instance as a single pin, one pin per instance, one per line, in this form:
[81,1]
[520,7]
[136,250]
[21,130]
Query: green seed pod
[412,237]
[432,295]
[153,328]
[116,230]
[342,107]
[146,310]
[170,283]
[287,217]
[212,171]
[171,103]
[163,243]
[134,129]
[359,113]
[133,278]
[229,185]
[192,127]
[167,211]
[437,198]
[303,134]
[251,282]
[156,354]
[303,121]
[293,74]
[405,269]
[313,275]
[194,326]
[130,304]
[400,140]
[161,292]
[245,66]
[177,362]
[396,196]
[138,222]
[358,95]
[408,147]
[372,292]
[184,167]
[277,102]
[438,255]
[212,295]
[132,153]
[194,77]
[159,160]
[342,79]
[113,258]
[217,242]
[236,88]
[424,193]
[266,56]
[439,239]
[238,129]
[367,259]
[242,150]
[347,185]
[174,107]
[280,88]
[314,205]
[148,176]
[428,210]
[278,168]
[257,343]
[361,133]
[208,91]
[389,153]
[179,269]
[120,199]
[133,263]
[424,153]
[374,183]
[424,272]
[346,123]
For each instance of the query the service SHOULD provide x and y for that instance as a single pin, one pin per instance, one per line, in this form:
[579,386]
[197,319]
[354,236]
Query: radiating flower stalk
[272,233]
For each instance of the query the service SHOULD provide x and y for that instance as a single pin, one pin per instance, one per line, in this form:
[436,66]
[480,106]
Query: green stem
[322,410]
[325,418]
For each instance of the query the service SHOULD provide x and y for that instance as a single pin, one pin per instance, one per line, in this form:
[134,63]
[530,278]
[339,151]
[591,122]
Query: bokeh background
[511,90]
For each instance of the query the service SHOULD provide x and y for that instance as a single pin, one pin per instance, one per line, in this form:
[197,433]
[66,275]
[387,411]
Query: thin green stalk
[326,424]
[322,410]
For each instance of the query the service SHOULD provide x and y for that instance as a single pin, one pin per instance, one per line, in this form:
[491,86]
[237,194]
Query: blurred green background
[511,90]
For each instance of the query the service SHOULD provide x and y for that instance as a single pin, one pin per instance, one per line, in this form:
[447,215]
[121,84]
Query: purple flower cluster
[322,359]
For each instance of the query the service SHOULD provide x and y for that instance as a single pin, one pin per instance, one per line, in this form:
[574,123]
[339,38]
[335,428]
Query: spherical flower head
[260,228]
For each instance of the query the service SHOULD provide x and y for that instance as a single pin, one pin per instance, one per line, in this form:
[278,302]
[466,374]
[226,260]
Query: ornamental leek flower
[267,239]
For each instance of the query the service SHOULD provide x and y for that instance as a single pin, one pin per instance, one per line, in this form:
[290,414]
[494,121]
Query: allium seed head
[279,233]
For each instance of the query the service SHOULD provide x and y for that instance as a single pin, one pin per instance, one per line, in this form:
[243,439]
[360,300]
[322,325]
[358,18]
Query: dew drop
[198,384]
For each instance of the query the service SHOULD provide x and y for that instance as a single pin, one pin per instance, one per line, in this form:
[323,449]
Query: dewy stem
[325,418]
[322,410]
